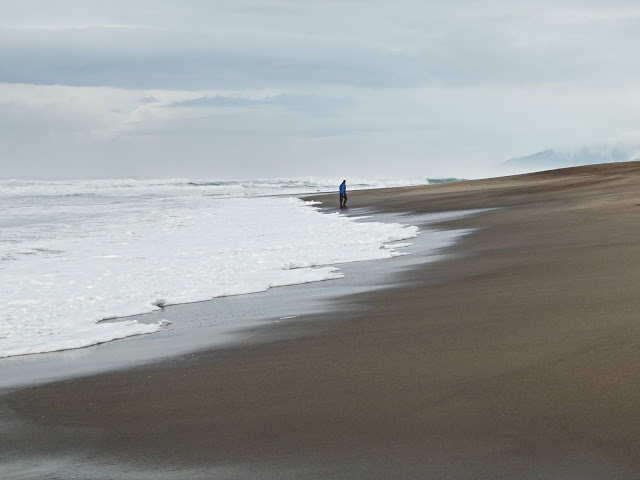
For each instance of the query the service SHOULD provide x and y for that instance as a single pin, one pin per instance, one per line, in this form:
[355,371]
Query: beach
[517,356]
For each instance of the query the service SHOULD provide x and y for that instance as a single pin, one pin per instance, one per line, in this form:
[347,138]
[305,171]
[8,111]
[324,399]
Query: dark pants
[343,200]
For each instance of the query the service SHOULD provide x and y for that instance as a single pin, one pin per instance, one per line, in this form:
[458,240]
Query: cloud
[251,44]
[222,101]
[307,104]
[282,85]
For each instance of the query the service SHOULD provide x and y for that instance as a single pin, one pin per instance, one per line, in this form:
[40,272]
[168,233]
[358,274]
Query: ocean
[76,252]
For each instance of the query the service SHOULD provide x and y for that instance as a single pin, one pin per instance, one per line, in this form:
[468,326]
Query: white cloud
[293,87]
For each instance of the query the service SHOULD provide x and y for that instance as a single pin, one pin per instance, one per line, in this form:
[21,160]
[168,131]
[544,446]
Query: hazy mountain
[551,159]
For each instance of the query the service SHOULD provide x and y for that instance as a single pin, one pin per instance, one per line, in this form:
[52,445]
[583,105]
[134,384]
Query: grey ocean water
[73,253]
[223,322]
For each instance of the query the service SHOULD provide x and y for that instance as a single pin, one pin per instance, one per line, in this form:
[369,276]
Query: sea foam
[67,262]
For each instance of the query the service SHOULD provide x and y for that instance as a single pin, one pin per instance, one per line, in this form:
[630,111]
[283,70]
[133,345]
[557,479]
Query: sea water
[76,252]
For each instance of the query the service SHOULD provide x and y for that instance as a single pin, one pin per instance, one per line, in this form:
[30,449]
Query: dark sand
[518,359]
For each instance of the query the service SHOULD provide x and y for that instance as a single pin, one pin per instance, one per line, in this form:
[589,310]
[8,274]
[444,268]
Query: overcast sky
[248,88]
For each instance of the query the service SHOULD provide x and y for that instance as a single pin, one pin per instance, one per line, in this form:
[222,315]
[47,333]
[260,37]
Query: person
[343,194]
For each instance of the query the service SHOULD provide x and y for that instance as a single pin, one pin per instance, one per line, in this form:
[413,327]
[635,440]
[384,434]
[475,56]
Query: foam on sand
[56,290]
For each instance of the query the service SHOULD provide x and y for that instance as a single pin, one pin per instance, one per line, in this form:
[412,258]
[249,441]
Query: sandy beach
[518,357]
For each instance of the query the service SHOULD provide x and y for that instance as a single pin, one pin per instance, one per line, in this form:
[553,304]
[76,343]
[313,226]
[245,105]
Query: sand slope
[518,359]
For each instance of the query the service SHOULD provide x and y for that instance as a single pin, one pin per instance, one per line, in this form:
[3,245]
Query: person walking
[343,194]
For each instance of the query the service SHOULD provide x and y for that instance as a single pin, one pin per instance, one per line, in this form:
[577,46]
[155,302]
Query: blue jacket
[343,188]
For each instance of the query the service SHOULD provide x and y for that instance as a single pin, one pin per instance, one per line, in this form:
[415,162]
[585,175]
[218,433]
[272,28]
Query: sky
[273,88]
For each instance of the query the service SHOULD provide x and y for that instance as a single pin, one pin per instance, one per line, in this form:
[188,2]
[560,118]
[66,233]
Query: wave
[189,186]
[114,262]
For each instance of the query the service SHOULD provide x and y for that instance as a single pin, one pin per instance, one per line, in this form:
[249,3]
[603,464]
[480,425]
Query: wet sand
[518,358]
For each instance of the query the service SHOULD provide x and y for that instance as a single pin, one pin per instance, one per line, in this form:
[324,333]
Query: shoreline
[226,322]
[521,361]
